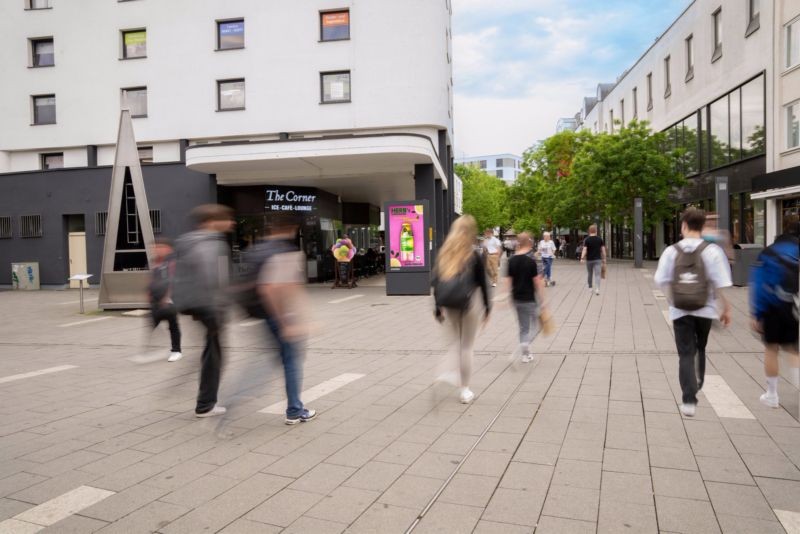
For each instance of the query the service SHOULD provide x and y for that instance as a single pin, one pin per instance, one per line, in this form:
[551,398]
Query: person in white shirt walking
[493,248]
[547,249]
[694,289]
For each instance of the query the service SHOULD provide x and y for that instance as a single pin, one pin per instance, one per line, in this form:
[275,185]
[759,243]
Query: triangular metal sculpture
[126,255]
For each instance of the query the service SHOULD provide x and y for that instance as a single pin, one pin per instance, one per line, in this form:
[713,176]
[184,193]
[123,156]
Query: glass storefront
[790,212]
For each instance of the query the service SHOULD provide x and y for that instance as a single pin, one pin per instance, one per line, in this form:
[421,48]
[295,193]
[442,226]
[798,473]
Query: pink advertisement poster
[406,237]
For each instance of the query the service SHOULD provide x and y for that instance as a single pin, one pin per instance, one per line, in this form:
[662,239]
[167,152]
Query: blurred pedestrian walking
[493,248]
[525,287]
[547,249]
[202,278]
[774,307]
[693,273]
[162,308]
[594,255]
[458,272]
[281,285]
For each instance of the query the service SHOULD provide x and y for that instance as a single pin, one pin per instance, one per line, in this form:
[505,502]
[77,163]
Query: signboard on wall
[290,199]
[406,236]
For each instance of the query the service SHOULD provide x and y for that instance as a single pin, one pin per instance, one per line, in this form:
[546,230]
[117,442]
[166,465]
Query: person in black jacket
[160,291]
[459,262]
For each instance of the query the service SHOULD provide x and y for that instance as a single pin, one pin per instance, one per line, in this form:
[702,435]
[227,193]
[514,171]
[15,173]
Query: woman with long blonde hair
[459,271]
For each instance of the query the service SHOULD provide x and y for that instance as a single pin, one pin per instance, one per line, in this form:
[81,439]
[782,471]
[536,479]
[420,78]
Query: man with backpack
[525,285]
[692,273]
[774,306]
[160,291]
[202,276]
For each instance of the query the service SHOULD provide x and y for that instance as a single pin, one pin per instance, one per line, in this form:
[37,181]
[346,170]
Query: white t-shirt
[718,273]
[547,248]
[492,245]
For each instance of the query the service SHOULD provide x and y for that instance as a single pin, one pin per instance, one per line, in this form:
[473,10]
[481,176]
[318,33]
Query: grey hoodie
[202,271]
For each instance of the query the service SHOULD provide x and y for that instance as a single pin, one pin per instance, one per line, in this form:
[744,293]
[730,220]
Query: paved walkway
[97,431]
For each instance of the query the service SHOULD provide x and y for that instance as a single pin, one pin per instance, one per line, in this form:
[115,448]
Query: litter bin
[25,276]
[744,256]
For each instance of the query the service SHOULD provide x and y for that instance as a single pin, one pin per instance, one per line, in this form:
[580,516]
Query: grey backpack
[689,282]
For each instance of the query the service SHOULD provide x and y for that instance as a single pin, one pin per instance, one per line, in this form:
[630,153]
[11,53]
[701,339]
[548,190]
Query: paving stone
[519,507]
[772,466]
[150,518]
[18,482]
[53,487]
[617,516]
[734,524]
[375,476]
[245,466]
[123,503]
[679,483]
[433,465]
[731,470]
[491,464]
[382,517]
[781,494]
[527,477]
[499,442]
[684,515]
[343,505]
[294,465]
[354,454]
[491,527]
[10,508]
[623,461]
[75,524]
[284,508]
[560,525]
[179,476]
[446,517]
[401,453]
[537,453]
[410,491]
[128,476]
[323,478]
[470,490]
[199,491]
[672,458]
[304,525]
[734,499]
[619,439]
[577,473]
[572,503]
[245,526]
[627,488]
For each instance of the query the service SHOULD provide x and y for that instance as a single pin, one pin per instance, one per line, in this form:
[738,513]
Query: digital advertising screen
[405,236]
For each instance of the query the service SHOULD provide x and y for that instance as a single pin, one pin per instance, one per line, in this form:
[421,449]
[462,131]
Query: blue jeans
[292,370]
[548,267]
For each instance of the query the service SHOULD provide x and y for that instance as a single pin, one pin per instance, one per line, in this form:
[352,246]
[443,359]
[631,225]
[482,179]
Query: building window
[230,34]
[649,91]
[5,228]
[482,164]
[42,52]
[155,221]
[100,222]
[30,226]
[689,58]
[754,19]
[717,16]
[334,25]
[335,87]
[793,125]
[37,4]
[44,109]
[667,82]
[498,163]
[793,44]
[145,155]
[54,160]
[230,95]
[135,98]
[622,112]
[499,173]
[134,44]
[611,119]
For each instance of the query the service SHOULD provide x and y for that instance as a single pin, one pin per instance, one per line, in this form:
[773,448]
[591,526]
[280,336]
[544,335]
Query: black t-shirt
[594,245]
[522,270]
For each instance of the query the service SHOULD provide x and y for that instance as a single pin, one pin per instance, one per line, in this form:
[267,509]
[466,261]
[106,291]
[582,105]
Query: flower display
[343,250]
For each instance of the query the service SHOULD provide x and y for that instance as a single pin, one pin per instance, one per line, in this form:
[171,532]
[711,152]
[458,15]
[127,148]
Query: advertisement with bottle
[406,236]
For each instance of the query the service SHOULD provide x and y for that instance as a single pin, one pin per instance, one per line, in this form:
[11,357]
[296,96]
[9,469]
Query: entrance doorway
[76,247]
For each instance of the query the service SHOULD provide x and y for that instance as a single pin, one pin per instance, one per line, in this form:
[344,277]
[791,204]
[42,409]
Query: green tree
[484,197]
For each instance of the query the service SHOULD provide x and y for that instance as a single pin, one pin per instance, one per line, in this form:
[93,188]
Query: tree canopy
[485,197]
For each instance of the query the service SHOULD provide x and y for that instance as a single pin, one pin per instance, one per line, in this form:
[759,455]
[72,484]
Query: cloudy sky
[519,65]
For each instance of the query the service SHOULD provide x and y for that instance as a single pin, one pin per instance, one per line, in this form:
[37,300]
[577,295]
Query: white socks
[772,386]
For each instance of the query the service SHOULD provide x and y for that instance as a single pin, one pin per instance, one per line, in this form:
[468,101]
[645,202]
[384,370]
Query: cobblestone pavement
[97,431]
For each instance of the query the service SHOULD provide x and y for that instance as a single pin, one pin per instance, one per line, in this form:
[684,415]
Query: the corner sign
[289,200]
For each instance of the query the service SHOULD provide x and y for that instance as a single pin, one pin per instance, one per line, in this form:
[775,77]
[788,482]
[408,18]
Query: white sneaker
[466,396]
[688,410]
[494,284]
[597,291]
[174,356]
[216,410]
[770,400]
[527,358]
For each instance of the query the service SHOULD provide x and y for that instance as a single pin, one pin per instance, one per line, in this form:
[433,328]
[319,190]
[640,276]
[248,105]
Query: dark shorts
[780,329]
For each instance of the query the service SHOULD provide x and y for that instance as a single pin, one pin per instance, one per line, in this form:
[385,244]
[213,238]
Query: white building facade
[507,167]
[708,81]
[353,99]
